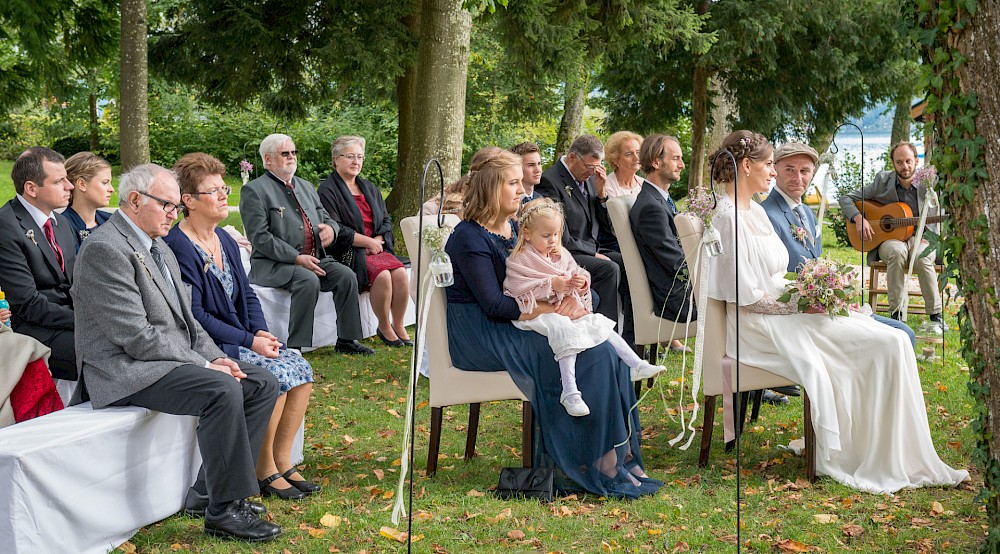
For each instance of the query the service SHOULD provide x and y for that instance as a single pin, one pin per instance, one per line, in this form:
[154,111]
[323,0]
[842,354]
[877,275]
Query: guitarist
[897,186]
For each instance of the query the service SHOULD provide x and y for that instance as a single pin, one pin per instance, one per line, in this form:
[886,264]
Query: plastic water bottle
[4,305]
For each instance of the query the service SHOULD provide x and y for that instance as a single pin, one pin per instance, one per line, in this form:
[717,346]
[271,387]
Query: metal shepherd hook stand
[834,150]
[417,343]
[738,399]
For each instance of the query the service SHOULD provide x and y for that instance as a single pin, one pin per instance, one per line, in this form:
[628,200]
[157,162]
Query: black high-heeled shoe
[291,493]
[396,343]
[307,487]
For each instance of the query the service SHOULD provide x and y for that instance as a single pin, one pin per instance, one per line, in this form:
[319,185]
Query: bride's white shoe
[645,370]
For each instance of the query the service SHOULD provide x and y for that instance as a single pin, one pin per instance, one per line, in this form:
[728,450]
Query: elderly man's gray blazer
[129,332]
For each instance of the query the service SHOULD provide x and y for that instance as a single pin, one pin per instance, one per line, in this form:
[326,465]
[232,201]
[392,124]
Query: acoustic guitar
[889,221]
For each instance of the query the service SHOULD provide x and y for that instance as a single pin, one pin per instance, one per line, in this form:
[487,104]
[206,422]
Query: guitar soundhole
[885,224]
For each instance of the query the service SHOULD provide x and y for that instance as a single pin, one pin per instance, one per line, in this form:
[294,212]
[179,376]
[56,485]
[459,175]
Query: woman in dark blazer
[357,205]
[225,305]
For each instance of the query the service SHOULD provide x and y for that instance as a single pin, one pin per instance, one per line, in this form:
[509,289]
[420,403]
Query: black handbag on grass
[526,482]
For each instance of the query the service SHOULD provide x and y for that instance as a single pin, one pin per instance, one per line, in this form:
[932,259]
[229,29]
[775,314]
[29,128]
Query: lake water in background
[848,141]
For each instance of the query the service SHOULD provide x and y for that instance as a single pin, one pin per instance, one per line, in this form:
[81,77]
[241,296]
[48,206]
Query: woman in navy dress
[357,205]
[91,178]
[598,453]
[225,305]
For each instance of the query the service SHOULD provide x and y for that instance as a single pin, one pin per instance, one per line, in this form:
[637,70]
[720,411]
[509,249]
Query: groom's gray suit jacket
[129,330]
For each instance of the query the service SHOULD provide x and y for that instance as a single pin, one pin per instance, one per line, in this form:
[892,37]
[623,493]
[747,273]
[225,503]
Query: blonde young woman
[598,452]
[92,190]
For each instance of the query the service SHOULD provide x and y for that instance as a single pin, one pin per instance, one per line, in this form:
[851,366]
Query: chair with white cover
[449,385]
[689,230]
[650,329]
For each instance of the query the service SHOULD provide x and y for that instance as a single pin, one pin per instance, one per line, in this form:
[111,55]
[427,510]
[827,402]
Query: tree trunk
[699,118]
[95,124]
[724,108]
[438,106]
[572,118]
[405,96]
[699,123]
[134,85]
[901,119]
[973,199]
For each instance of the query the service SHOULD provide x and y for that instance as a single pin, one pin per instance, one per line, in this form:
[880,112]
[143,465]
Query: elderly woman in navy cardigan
[225,305]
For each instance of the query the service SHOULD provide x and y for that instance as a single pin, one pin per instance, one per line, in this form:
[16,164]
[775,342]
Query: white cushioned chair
[689,231]
[449,385]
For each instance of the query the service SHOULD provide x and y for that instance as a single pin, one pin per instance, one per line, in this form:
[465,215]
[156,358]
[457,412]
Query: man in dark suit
[37,253]
[652,218]
[290,232]
[577,182]
[140,345]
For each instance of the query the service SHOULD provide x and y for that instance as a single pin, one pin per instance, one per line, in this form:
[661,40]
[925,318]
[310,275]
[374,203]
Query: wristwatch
[602,199]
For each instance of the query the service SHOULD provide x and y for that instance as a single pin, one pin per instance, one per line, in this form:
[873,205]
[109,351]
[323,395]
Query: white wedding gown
[861,376]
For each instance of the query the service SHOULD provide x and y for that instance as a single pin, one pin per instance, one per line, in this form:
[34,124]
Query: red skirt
[377,263]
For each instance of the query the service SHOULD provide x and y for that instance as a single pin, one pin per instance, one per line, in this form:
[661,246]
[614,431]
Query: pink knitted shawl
[529,278]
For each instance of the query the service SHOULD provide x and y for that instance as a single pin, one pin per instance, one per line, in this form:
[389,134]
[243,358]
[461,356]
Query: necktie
[800,211]
[582,185]
[158,258]
[670,202]
[50,236]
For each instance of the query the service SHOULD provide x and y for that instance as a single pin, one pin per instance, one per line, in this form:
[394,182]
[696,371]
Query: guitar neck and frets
[892,221]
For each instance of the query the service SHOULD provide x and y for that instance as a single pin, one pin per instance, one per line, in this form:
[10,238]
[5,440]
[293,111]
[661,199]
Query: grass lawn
[354,427]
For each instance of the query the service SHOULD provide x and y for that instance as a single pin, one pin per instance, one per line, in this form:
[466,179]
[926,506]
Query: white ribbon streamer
[398,509]
[917,251]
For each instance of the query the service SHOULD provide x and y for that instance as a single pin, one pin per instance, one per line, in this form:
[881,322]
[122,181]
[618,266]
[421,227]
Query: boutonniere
[801,235]
[142,260]
[281,211]
[83,233]
[30,235]
[569,191]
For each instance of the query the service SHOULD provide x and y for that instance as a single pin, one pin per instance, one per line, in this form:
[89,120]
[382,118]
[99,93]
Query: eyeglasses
[226,191]
[592,167]
[289,153]
[167,206]
[353,157]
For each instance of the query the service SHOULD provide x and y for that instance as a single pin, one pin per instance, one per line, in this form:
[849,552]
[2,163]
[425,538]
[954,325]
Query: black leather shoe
[790,390]
[774,398]
[898,316]
[307,487]
[396,343]
[291,493]
[238,522]
[196,503]
[352,347]
[407,342]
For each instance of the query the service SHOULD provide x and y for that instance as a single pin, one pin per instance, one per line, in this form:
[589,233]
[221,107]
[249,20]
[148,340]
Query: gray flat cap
[794,148]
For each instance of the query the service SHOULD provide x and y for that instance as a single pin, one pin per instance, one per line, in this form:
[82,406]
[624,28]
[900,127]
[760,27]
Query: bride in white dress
[867,406]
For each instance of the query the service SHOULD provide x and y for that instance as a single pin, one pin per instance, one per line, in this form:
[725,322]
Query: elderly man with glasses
[291,232]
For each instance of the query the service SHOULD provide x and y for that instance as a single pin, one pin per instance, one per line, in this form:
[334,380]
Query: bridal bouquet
[822,284]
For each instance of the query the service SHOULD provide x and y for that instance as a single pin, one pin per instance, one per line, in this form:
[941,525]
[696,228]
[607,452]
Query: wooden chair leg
[638,389]
[470,437]
[740,401]
[707,426]
[654,352]
[758,396]
[435,442]
[810,436]
[527,434]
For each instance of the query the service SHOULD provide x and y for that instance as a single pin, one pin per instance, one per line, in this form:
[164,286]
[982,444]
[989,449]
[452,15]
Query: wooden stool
[876,290]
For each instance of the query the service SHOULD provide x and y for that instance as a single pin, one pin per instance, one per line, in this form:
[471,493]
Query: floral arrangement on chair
[434,239]
[925,175]
[245,169]
[822,284]
[701,205]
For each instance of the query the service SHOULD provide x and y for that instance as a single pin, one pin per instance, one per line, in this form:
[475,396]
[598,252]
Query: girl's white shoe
[574,404]
[645,370]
